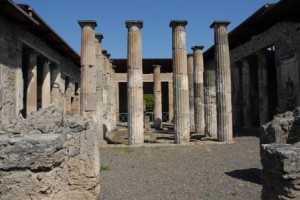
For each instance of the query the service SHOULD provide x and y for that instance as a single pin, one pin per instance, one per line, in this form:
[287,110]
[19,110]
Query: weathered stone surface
[284,128]
[49,155]
[223,81]
[158,124]
[281,171]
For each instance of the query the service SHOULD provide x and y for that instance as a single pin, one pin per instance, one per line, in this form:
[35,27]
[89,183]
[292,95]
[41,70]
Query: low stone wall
[283,129]
[281,171]
[49,156]
[280,157]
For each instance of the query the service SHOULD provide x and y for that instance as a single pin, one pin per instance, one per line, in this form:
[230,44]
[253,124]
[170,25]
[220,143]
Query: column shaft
[56,86]
[199,89]
[263,87]
[210,106]
[135,84]
[223,82]
[157,93]
[88,79]
[190,71]
[235,95]
[171,100]
[46,84]
[180,81]
[99,87]
[247,110]
[31,93]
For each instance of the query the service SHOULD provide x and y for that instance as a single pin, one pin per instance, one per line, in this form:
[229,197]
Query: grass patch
[125,149]
[104,168]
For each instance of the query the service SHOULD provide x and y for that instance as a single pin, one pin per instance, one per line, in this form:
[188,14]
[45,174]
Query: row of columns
[97,85]
[52,91]
[183,105]
[182,111]
[243,85]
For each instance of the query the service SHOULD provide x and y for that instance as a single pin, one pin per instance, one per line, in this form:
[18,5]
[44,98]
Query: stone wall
[13,40]
[49,155]
[285,38]
[281,171]
[280,156]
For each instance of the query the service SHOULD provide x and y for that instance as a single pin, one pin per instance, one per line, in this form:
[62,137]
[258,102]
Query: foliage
[149,101]
[104,168]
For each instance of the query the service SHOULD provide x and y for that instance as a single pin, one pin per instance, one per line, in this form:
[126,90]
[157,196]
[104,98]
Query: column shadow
[251,175]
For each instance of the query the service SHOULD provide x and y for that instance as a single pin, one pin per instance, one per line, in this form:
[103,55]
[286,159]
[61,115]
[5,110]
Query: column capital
[218,23]
[198,47]
[175,23]
[104,52]
[83,23]
[137,23]
[99,37]
[156,66]
[190,55]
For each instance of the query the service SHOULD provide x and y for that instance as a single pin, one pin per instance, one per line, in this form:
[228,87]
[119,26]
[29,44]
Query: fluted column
[210,106]
[223,81]
[46,85]
[31,93]
[263,87]
[56,86]
[99,87]
[113,97]
[135,83]
[246,83]
[199,89]
[171,100]
[235,74]
[88,77]
[117,101]
[190,71]
[157,93]
[180,81]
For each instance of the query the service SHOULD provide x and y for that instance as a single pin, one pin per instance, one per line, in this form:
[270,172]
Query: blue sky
[62,16]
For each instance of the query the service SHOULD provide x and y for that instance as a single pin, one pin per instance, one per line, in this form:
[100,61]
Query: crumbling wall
[285,37]
[49,156]
[281,171]
[13,40]
[280,156]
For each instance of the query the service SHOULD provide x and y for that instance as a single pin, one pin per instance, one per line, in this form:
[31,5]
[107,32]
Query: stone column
[56,86]
[105,89]
[88,77]
[31,93]
[210,106]
[247,110]
[263,87]
[199,89]
[190,71]
[235,84]
[157,93]
[99,87]
[135,83]
[117,102]
[171,101]
[223,81]
[46,85]
[180,80]
[113,96]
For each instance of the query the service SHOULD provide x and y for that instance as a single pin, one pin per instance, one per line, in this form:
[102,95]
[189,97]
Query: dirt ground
[162,170]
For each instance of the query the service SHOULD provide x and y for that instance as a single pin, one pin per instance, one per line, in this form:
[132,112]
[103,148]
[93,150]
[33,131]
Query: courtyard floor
[162,171]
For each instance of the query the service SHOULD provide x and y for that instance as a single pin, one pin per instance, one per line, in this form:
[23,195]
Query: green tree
[149,100]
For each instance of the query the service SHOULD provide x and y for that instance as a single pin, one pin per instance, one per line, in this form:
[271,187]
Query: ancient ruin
[58,107]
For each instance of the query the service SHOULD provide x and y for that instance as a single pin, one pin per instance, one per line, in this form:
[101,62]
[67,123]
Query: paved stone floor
[202,170]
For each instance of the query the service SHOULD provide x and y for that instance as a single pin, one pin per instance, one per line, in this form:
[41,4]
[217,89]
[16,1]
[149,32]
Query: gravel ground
[199,171]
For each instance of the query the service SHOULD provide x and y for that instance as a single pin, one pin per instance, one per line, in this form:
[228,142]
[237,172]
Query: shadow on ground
[252,175]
